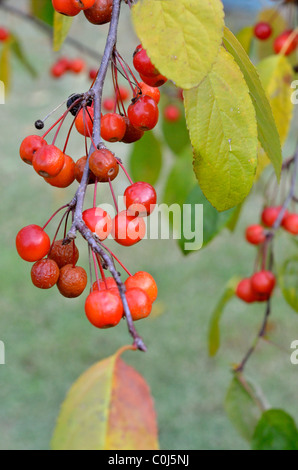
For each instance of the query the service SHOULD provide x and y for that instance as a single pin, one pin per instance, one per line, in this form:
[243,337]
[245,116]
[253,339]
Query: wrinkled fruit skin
[64,254]
[72,281]
[45,274]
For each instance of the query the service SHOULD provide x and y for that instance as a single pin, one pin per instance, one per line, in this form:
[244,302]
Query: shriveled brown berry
[45,274]
[72,281]
[104,165]
[79,170]
[64,254]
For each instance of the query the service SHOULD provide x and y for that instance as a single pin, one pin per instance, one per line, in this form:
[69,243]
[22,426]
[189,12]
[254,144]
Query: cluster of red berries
[96,11]
[4,34]
[287,41]
[142,114]
[64,65]
[56,265]
[260,286]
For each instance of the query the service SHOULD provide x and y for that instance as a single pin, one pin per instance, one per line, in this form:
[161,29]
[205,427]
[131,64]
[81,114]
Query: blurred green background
[48,341]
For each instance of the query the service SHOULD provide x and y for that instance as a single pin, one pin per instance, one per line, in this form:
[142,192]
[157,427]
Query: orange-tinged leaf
[108,408]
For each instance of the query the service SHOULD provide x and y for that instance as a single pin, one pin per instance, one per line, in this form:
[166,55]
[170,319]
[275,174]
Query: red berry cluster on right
[260,286]
[286,42]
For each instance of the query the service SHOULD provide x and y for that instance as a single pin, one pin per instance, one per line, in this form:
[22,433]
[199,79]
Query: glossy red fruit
[108,104]
[83,4]
[64,254]
[156,81]
[290,223]
[101,285]
[270,215]
[131,133]
[263,282]
[140,199]
[66,176]
[172,113]
[263,30]
[128,230]
[104,165]
[77,65]
[103,309]
[100,13]
[122,93]
[245,291]
[48,161]
[139,304]
[113,127]
[148,90]
[93,74]
[143,64]
[57,70]
[281,41]
[45,274]
[66,7]
[32,243]
[143,113]
[72,281]
[98,221]
[255,234]
[144,281]
[4,34]
[84,121]
[29,147]
[79,170]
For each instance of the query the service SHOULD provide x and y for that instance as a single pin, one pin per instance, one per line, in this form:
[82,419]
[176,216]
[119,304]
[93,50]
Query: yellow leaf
[108,408]
[222,123]
[62,25]
[182,37]
[5,67]
[245,37]
[276,76]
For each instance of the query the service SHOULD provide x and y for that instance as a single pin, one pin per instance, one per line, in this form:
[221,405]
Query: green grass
[49,343]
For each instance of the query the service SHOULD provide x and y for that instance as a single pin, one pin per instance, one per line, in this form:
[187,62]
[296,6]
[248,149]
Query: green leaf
[276,430]
[277,75]
[267,131]
[242,407]
[180,180]
[182,37]
[17,49]
[288,281]
[43,10]
[62,25]
[222,124]
[176,135]
[214,331]
[146,159]
[213,221]
[233,222]
[245,37]
[5,67]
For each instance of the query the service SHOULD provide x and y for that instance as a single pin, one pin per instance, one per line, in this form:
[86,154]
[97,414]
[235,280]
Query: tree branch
[78,224]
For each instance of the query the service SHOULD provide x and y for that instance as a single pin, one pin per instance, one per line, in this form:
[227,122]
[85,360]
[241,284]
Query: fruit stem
[125,171]
[118,261]
[51,218]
